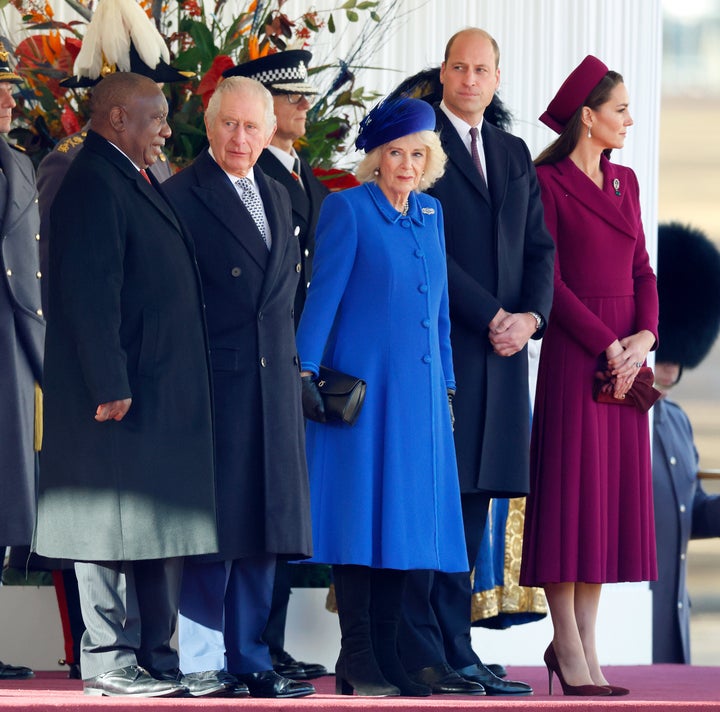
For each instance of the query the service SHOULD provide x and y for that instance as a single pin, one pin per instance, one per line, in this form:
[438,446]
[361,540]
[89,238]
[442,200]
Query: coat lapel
[96,143]
[604,203]
[216,192]
[457,153]
[279,229]
[496,159]
[300,199]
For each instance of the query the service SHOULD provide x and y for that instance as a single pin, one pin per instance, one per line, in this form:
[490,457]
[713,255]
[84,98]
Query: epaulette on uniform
[22,149]
[71,141]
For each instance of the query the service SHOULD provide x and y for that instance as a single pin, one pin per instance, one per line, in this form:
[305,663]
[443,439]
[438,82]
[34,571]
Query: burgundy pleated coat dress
[589,515]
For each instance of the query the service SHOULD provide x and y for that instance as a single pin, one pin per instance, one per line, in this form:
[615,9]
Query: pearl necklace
[405,209]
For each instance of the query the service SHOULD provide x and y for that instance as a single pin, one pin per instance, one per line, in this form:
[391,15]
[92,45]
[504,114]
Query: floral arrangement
[206,38]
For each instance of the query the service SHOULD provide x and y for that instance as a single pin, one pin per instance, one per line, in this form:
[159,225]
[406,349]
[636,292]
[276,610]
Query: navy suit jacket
[500,254]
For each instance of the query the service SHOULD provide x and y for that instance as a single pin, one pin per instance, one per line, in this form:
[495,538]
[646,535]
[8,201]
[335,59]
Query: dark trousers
[435,626]
[274,634]
[130,611]
[224,607]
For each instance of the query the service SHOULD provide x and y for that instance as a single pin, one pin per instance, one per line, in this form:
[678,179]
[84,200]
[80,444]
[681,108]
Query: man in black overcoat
[500,278]
[249,259]
[285,76]
[126,479]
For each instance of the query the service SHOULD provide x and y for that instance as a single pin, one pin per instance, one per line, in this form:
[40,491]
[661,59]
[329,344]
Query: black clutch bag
[343,396]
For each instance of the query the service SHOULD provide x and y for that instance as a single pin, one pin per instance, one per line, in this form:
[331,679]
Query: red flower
[336,179]
[212,77]
[69,121]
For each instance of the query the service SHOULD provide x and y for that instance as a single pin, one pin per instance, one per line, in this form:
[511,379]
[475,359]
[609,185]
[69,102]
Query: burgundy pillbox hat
[573,92]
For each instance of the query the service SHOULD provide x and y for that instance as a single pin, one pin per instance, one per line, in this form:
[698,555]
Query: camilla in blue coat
[384,492]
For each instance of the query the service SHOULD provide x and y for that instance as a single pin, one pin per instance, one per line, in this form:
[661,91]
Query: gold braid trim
[38,418]
[511,597]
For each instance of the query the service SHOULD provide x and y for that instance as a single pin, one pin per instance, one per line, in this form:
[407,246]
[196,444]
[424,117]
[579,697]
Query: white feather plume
[113,26]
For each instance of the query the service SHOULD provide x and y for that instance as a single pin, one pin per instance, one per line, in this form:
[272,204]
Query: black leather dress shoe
[209,683]
[443,680]
[133,681]
[15,672]
[497,669]
[269,684]
[492,683]
[285,665]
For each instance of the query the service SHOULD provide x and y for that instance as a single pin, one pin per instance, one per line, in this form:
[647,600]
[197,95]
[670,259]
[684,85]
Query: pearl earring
[589,134]
[376,172]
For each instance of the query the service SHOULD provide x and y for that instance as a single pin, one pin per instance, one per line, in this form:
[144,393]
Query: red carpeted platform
[657,687]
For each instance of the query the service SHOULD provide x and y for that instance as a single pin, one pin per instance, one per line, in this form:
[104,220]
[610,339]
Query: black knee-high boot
[387,588]
[356,667]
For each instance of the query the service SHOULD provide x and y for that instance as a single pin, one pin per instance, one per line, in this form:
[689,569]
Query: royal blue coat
[384,492]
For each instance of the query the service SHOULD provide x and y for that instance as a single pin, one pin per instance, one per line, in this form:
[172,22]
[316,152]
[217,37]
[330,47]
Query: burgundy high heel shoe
[616,691]
[553,666]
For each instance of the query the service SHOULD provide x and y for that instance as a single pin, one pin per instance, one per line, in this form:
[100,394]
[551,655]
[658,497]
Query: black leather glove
[312,402]
[451,395]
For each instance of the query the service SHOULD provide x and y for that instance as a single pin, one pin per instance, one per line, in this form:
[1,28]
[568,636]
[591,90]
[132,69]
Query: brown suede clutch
[642,394]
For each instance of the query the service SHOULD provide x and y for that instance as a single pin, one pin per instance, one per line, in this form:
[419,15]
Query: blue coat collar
[388,211]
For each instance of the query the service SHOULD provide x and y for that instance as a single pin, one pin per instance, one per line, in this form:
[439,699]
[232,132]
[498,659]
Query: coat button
[405,222]
[38,274]
[419,253]
[260,316]
[296,232]
[8,272]
[235,271]
[673,461]
[427,358]
[263,362]
[39,312]
[682,509]
[682,557]
[298,268]
[423,288]
[426,323]
[307,252]
[37,237]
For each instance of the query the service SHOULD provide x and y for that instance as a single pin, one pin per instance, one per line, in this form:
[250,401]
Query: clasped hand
[509,332]
[625,358]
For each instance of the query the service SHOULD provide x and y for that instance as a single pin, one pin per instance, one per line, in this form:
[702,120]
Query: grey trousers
[130,611]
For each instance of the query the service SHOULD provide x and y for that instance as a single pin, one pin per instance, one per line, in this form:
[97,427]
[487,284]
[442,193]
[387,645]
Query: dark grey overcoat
[499,254]
[126,320]
[22,332]
[262,481]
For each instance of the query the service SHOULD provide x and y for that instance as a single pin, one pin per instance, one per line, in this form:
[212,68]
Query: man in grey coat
[126,486]
[22,332]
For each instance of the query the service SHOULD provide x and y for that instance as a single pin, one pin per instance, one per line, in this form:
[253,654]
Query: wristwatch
[539,321]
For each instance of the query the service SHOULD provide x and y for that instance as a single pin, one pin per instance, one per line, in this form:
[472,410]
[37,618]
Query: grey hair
[434,168]
[243,86]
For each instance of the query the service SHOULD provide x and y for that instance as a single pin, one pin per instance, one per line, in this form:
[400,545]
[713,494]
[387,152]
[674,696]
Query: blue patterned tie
[251,200]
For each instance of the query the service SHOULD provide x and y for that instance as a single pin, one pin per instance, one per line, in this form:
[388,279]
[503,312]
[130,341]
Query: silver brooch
[616,185]
[428,211]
